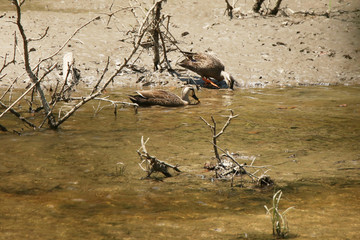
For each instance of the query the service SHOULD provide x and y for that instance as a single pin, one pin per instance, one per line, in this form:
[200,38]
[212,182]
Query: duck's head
[230,81]
[189,91]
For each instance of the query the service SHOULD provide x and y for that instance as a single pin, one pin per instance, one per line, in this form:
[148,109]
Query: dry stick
[153,160]
[275,10]
[164,50]
[229,9]
[110,15]
[155,35]
[213,130]
[102,76]
[147,16]
[63,90]
[57,51]
[257,5]
[231,116]
[29,71]
[171,40]
[28,90]
[111,5]
[9,88]
[40,37]
[143,147]
[229,155]
[107,100]
[134,13]
[157,22]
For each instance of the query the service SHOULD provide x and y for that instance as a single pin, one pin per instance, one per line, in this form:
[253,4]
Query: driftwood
[228,166]
[152,164]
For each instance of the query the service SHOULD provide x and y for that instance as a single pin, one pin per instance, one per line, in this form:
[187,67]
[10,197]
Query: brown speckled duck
[207,66]
[148,98]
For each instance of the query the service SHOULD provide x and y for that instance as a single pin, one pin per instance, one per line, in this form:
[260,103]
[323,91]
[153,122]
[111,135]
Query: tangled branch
[152,164]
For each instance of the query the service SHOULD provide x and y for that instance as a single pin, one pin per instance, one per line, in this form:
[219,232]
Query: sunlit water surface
[65,184]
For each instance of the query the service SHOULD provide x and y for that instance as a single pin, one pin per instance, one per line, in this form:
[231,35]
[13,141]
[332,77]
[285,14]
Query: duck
[147,98]
[207,66]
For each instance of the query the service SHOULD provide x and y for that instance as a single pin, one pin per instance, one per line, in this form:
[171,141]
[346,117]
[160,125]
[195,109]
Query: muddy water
[66,184]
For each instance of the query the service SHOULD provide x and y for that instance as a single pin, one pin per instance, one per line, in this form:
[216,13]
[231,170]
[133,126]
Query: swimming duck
[207,66]
[148,98]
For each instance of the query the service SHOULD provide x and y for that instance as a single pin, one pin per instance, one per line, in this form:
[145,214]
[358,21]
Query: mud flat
[296,50]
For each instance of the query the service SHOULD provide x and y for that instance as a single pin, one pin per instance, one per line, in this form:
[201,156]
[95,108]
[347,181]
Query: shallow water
[65,184]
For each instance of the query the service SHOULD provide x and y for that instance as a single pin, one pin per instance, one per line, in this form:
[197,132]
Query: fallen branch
[228,166]
[152,164]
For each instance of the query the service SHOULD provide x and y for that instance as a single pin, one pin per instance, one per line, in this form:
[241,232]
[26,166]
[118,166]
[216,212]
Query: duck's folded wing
[156,94]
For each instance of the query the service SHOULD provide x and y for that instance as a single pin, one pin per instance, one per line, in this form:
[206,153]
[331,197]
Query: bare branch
[231,116]
[152,163]
[257,5]
[9,88]
[40,37]
[102,75]
[229,9]
[216,135]
[275,10]
[28,90]
[28,69]
[18,116]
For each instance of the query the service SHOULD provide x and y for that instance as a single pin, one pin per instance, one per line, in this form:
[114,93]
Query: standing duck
[207,66]
[148,98]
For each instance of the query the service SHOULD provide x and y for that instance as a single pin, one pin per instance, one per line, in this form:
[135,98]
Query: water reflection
[64,183]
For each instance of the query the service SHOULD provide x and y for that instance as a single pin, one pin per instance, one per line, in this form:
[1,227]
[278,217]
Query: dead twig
[40,37]
[216,135]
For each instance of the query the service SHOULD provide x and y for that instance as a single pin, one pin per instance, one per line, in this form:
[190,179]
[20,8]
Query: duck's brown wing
[206,65]
[156,97]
